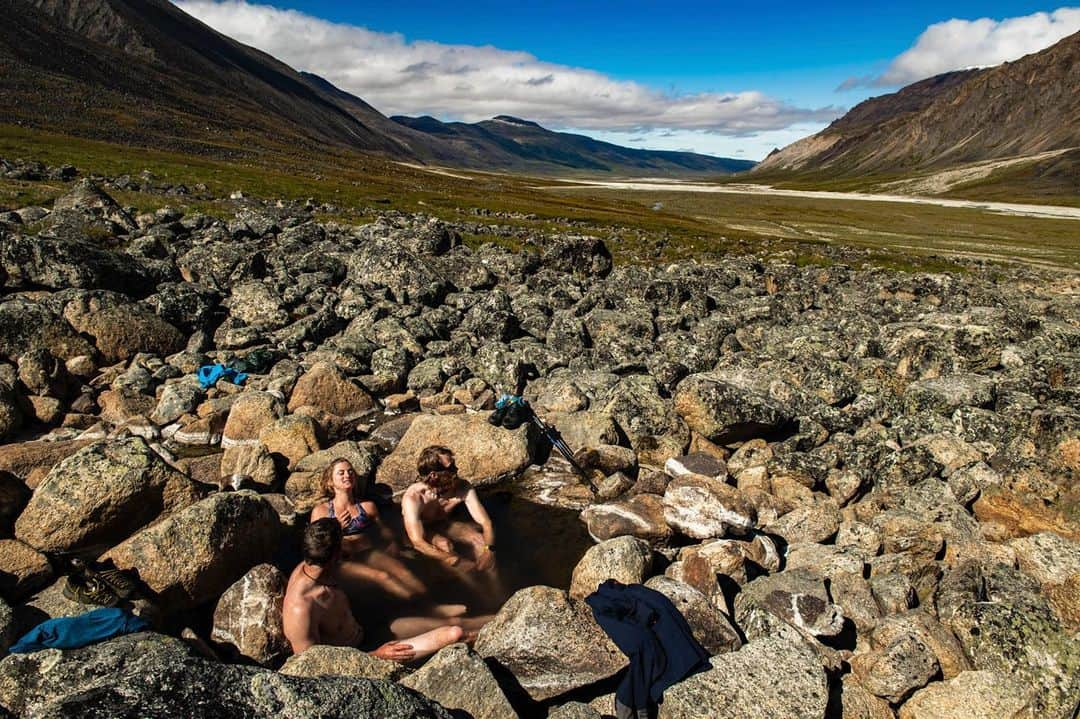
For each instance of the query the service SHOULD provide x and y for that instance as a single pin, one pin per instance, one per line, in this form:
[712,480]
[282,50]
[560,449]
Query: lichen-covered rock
[1004,624]
[814,522]
[897,669]
[100,495]
[726,409]
[248,616]
[750,684]
[797,597]
[969,694]
[625,559]
[219,538]
[550,643]
[248,416]
[323,660]
[154,675]
[326,387]
[120,330]
[458,679]
[7,627]
[484,454]
[291,438]
[27,325]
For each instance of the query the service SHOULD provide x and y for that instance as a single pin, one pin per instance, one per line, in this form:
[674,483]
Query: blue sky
[731,79]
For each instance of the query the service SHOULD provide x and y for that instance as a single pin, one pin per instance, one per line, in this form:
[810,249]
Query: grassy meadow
[638,225]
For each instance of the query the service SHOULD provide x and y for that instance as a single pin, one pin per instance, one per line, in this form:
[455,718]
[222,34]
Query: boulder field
[857,484]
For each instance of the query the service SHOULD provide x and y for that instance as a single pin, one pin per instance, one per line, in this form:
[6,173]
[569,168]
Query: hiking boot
[121,584]
[518,414]
[89,591]
[501,407]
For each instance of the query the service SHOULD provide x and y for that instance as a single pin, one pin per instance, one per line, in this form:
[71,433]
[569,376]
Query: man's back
[317,613]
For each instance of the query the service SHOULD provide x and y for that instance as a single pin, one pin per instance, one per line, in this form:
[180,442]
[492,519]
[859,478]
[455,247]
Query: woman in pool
[368,546]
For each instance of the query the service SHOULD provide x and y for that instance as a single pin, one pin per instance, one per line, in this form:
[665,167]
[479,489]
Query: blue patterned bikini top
[359,523]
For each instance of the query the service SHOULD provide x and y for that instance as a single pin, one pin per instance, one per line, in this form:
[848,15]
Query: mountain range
[1029,108]
[144,72]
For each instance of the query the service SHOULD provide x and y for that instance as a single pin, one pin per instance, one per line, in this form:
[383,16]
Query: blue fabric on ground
[210,374]
[651,632]
[75,632]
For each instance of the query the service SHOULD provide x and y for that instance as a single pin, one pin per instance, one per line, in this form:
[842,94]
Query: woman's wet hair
[322,541]
[431,459]
[327,479]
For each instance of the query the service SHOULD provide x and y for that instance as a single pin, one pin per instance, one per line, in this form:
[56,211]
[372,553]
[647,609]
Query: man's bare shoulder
[415,492]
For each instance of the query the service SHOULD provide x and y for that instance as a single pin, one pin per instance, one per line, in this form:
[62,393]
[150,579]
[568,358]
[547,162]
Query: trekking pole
[524,372]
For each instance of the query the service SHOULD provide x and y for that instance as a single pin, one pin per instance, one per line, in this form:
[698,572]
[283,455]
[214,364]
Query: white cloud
[471,83]
[959,44]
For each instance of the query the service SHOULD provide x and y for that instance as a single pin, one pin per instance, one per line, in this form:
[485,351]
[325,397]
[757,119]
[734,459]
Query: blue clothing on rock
[210,374]
[651,632]
[75,632]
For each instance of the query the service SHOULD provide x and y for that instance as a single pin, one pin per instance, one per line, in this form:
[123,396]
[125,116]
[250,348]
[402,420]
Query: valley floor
[1055,211]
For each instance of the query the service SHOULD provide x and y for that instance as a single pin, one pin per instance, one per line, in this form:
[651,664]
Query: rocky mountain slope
[858,485]
[1019,108]
[147,73]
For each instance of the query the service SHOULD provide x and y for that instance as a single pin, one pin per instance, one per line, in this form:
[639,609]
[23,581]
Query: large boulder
[549,642]
[484,454]
[100,495]
[385,262]
[1004,624]
[152,675]
[120,330]
[726,409]
[219,538]
[704,507]
[640,516]
[770,678]
[625,559]
[946,394]
[896,669]
[326,388]
[644,416]
[61,263]
[28,325]
[248,616]
[458,679]
[252,412]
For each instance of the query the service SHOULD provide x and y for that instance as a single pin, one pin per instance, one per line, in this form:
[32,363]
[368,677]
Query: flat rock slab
[484,454]
[770,678]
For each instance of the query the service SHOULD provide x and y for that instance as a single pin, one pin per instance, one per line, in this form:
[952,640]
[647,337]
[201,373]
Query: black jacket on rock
[651,632]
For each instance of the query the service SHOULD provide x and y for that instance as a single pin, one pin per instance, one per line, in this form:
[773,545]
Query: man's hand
[395,652]
[451,560]
[485,559]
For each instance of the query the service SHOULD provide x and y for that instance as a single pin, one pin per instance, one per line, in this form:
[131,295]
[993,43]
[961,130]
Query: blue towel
[209,375]
[75,632]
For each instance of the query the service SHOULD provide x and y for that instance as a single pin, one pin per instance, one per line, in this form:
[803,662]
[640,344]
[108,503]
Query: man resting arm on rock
[427,507]
[316,610]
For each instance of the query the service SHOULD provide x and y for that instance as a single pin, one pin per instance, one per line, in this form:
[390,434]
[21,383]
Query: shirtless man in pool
[316,610]
[427,506]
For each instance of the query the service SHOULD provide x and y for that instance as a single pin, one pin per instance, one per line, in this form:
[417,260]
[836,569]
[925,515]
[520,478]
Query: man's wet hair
[431,459]
[322,541]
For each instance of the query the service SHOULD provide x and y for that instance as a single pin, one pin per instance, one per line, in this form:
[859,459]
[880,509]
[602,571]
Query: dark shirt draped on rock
[651,632]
